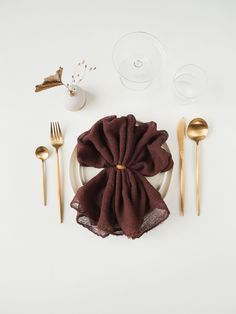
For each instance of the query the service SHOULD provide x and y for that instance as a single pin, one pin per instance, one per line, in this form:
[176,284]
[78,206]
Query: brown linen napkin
[119,200]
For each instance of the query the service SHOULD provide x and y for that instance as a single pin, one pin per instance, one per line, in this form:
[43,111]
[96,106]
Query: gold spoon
[197,131]
[42,153]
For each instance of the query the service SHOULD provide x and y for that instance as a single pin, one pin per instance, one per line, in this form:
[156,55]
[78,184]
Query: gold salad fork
[57,141]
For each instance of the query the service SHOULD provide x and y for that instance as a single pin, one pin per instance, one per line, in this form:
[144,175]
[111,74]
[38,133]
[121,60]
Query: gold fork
[57,141]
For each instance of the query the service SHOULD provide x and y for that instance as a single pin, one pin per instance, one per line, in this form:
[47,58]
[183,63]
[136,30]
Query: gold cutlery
[42,153]
[197,131]
[180,134]
[57,141]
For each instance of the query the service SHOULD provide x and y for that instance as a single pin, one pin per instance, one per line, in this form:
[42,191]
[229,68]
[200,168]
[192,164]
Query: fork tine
[59,129]
[56,134]
[55,130]
[51,130]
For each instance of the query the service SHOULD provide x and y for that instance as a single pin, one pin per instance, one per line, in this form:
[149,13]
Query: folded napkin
[120,200]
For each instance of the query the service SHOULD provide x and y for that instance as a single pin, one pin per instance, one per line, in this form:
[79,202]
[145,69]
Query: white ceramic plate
[79,175]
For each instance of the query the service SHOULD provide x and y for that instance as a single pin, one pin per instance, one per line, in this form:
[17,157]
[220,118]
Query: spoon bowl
[42,153]
[197,130]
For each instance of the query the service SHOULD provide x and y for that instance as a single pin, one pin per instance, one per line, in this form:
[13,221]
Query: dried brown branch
[51,81]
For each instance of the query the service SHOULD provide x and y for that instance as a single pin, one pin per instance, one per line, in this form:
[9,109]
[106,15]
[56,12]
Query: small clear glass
[189,83]
[138,58]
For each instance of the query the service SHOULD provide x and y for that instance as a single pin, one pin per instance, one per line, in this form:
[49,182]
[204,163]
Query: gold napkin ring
[120,167]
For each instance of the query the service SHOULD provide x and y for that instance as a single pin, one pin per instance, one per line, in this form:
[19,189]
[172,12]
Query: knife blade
[181,134]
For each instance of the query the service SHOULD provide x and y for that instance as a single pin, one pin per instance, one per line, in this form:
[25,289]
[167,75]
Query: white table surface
[185,266]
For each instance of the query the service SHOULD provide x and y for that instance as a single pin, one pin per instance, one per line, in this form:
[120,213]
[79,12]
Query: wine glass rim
[137,32]
[161,50]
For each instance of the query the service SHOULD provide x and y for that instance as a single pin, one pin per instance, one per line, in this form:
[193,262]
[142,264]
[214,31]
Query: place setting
[121,169]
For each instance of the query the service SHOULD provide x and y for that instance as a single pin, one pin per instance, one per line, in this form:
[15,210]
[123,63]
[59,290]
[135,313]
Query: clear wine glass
[189,83]
[138,58]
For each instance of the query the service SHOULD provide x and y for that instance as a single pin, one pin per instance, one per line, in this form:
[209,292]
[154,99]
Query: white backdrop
[186,265]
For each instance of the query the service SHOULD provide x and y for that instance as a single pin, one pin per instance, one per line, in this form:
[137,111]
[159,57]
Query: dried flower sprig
[81,70]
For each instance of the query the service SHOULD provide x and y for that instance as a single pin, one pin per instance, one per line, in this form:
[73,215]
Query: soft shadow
[90,97]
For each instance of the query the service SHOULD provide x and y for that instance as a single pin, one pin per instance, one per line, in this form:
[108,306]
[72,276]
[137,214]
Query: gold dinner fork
[57,141]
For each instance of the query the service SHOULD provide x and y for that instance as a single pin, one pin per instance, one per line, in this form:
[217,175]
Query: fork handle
[59,187]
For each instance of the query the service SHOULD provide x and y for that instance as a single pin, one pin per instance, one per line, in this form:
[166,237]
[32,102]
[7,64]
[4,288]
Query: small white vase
[76,98]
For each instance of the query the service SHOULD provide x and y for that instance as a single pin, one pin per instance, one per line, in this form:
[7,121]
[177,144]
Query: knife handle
[181,209]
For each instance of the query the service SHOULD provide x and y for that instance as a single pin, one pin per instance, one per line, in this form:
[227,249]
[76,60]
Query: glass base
[134,85]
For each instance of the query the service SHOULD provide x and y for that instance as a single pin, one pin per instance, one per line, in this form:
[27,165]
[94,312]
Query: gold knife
[181,134]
